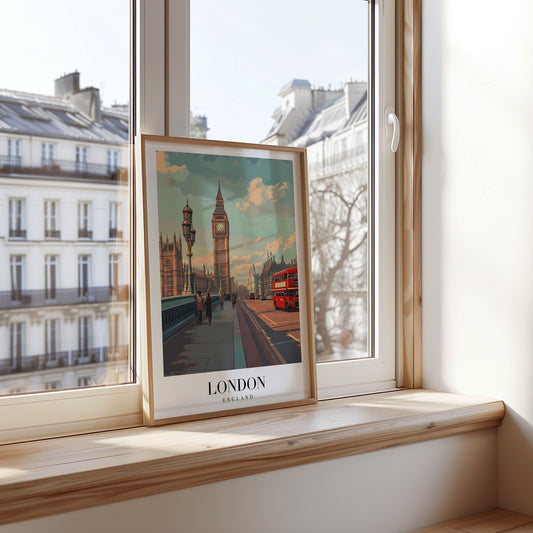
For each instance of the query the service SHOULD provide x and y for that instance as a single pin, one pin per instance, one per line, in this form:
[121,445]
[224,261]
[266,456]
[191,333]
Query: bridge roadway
[252,334]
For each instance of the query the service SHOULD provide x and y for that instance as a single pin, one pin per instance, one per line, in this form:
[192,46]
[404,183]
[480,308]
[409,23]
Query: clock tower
[220,228]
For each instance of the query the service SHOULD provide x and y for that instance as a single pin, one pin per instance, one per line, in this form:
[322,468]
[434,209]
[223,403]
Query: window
[337,115]
[114,233]
[84,221]
[17,341]
[85,381]
[81,159]
[114,336]
[13,153]
[51,334]
[17,218]
[160,111]
[17,268]
[47,155]
[113,272]
[51,226]
[84,338]
[56,131]
[84,274]
[50,277]
[112,160]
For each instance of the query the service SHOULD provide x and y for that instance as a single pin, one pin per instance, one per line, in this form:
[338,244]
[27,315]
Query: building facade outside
[64,239]
[333,126]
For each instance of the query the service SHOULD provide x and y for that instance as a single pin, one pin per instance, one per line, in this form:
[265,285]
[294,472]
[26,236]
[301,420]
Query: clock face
[220,226]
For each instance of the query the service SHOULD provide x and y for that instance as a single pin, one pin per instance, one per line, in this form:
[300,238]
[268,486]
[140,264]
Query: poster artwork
[228,263]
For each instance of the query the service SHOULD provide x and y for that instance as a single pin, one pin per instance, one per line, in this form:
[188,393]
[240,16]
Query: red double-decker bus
[285,289]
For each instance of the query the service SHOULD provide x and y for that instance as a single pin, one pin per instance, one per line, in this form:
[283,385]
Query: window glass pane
[295,73]
[64,169]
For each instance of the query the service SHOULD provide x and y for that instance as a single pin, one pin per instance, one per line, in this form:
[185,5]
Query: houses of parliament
[174,272]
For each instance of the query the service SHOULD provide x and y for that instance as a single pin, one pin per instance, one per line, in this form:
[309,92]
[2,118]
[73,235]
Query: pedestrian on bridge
[221,298]
[208,310]
[199,307]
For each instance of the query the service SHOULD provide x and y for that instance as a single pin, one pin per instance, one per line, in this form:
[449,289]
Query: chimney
[67,84]
[88,102]
[353,92]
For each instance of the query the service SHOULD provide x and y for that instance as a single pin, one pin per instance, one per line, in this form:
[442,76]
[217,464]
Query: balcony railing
[63,359]
[63,168]
[84,233]
[11,161]
[52,234]
[114,233]
[15,233]
[72,296]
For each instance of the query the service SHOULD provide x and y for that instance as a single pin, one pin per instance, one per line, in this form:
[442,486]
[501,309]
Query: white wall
[478,217]
[388,491]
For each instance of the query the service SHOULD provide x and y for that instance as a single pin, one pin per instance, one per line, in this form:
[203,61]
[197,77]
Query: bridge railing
[178,311]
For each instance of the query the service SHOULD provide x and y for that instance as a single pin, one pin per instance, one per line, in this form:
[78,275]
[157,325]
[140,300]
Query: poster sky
[258,198]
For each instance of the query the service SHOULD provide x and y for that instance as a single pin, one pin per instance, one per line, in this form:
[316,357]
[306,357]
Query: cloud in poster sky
[249,243]
[282,243]
[161,164]
[289,242]
[242,258]
[245,267]
[265,197]
[203,260]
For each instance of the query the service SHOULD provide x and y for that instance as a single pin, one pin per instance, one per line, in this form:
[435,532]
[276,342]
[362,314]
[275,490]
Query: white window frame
[63,412]
[159,65]
[356,376]
[377,373]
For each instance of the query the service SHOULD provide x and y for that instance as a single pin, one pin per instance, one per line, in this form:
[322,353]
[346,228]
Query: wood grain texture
[58,475]
[409,90]
[495,521]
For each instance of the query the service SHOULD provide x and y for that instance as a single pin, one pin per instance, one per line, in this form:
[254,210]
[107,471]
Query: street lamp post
[189,233]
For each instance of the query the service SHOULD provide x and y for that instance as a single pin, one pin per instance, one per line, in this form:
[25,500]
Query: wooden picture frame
[231,219]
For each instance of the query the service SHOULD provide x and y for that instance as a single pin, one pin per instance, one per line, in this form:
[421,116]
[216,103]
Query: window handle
[392,120]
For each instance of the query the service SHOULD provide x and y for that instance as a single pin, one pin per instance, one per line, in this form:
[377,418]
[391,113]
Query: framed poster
[228,298]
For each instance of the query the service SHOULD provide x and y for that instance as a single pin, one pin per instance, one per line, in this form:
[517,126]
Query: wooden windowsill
[57,475]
